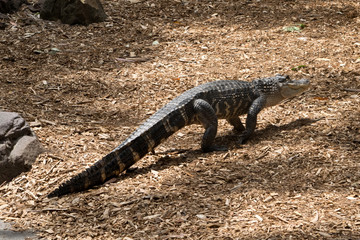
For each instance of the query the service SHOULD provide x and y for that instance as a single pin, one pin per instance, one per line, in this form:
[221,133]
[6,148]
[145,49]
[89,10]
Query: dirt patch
[298,177]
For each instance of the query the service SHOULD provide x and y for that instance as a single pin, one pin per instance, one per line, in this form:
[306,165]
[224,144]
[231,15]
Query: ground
[85,89]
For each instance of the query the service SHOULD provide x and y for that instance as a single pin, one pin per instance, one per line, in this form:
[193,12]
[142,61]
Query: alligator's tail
[155,130]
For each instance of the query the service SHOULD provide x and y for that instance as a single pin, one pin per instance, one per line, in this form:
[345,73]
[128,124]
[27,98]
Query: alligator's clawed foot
[215,148]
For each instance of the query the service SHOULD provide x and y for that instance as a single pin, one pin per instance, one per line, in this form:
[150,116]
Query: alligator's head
[280,87]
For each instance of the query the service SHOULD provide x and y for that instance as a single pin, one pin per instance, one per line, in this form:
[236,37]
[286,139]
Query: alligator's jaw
[294,87]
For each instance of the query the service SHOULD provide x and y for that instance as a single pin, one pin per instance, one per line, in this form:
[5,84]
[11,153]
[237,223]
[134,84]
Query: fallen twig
[132,59]
[351,90]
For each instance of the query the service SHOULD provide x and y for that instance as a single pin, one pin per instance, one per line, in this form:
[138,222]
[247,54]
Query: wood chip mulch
[85,89]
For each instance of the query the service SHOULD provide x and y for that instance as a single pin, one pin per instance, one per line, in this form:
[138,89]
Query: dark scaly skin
[204,104]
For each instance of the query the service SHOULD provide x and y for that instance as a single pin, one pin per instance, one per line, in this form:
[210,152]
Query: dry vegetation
[297,178]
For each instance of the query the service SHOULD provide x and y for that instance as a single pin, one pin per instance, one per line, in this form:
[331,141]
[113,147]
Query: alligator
[204,104]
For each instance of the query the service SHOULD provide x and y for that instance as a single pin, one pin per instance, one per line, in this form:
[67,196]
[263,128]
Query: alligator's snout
[299,84]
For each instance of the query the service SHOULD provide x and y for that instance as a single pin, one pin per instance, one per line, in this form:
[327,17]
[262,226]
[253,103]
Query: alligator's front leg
[251,119]
[207,117]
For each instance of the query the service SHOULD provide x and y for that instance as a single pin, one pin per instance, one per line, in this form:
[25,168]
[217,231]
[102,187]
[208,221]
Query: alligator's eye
[284,78]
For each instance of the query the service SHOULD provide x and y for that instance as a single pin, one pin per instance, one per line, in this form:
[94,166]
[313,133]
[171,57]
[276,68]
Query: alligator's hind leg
[236,123]
[207,117]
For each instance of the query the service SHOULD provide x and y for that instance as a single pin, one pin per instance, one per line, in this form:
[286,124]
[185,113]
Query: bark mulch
[85,89]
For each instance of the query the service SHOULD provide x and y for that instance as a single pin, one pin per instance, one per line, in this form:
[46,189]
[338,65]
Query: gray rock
[81,12]
[12,125]
[5,149]
[8,234]
[6,121]
[25,151]
[19,146]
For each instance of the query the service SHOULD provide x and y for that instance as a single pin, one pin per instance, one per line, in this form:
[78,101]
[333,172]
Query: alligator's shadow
[260,134]
[190,155]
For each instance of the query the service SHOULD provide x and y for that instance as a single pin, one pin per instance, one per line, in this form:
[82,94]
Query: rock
[12,125]
[7,233]
[81,12]
[25,151]
[10,6]
[19,146]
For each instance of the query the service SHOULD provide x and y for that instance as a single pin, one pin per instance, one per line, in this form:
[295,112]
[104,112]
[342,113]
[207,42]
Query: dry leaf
[315,218]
